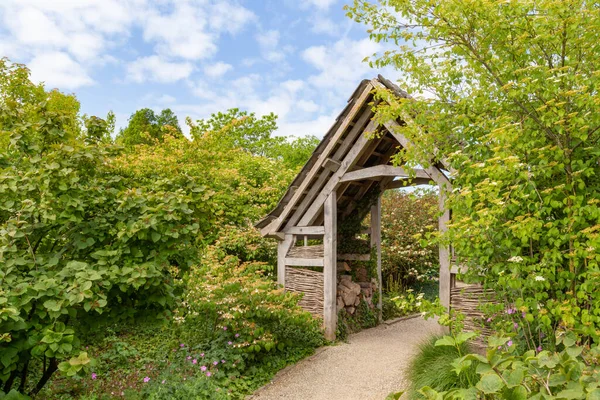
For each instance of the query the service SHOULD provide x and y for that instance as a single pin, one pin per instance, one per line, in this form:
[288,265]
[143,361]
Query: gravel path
[369,367]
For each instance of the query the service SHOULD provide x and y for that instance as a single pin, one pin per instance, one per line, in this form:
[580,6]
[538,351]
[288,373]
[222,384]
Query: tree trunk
[52,367]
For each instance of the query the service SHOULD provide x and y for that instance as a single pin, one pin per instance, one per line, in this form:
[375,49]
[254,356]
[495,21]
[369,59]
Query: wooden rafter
[358,104]
[379,171]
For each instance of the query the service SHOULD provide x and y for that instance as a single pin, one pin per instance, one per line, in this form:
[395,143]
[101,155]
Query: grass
[432,367]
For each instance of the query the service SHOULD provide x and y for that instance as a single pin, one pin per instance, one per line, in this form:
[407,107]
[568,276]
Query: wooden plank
[379,171]
[329,187]
[445,276]
[330,267]
[376,243]
[434,172]
[400,183]
[322,179]
[304,262]
[282,248]
[408,119]
[358,104]
[305,230]
[331,164]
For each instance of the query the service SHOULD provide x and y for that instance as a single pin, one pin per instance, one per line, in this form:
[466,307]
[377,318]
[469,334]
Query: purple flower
[203,368]
[237,335]
[208,373]
[189,357]
[194,361]
[510,311]
[516,326]
[230,343]
[499,347]
[182,345]
[489,319]
[201,354]
[94,376]
[523,314]
[163,381]
[224,328]
[146,380]
[510,343]
[215,362]
[222,361]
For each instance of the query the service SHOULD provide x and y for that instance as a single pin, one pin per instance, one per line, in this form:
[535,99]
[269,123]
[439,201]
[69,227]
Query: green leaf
[490,383]
[446,341]
[155,236]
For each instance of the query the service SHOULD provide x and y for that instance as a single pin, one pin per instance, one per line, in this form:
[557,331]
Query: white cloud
[217,69]
[58,69]
[268,42]
[321,24]
[154,68]
[86,32]
[191,29]
[340,66]
[320,4]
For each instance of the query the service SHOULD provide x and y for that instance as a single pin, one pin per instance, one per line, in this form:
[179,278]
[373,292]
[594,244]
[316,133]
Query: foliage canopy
[512,94]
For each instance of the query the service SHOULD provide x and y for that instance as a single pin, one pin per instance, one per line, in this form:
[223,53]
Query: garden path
[369,367]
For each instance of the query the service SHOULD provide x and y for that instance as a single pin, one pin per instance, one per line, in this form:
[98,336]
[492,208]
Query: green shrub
[432,367]
[405,219]
[570,373]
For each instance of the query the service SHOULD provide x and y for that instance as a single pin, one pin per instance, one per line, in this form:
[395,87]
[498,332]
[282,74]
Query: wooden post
[330,267]
[445,278]
[376,242]
[282,249]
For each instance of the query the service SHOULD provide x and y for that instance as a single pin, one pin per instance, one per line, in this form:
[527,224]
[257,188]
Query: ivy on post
[376,244]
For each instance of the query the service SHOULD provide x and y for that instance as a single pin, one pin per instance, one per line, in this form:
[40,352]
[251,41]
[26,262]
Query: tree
[237,129]
[147,127]
[82,243]
[512,102]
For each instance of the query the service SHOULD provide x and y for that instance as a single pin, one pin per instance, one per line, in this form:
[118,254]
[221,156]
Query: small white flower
[515,259]
[540,278]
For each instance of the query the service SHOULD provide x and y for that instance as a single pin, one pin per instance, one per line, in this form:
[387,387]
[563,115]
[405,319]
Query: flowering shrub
[405,219]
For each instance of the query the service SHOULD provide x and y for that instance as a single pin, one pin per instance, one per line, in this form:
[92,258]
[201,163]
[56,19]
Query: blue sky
[299,59]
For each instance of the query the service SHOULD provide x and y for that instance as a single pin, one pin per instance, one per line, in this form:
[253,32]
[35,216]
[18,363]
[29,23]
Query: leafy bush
[399,304]
[79,246]
[406,218]
[432,367]
[571,373]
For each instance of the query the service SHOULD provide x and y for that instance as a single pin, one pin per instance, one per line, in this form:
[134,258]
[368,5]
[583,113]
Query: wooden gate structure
[348,165]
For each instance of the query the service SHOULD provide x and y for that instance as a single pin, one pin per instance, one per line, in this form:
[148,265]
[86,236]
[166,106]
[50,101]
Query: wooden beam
[331,164]
[330,267]
[305,230]
[445,275]
[282,249]
[322,179]
[330,186]
[381,170]
[408,119]
[400,183]
[376,243]
[357,106]
[303,262]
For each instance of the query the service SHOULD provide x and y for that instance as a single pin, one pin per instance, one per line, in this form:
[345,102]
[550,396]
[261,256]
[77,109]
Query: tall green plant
[512,98]
[80,243]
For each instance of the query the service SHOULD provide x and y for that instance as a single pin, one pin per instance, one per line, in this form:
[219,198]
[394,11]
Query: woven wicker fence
[308,282]
[467,299]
